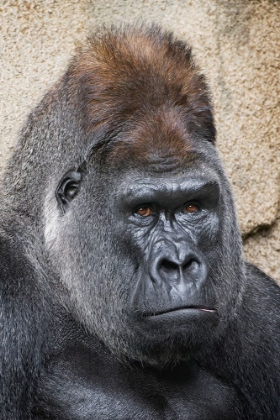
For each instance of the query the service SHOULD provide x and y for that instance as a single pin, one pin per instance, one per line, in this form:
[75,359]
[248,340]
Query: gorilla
[124,289]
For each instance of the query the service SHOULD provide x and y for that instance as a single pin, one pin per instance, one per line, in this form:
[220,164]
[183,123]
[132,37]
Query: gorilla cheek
[70,263]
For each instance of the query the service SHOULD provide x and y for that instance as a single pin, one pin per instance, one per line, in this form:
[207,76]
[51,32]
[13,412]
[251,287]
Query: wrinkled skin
[124,292]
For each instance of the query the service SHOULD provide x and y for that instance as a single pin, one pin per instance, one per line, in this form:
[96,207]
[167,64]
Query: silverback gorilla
[124,290]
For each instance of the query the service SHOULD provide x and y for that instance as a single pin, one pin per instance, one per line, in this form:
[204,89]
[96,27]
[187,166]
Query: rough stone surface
[236,43]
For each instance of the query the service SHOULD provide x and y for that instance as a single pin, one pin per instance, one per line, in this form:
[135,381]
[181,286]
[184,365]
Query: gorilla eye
[68,188]
[191,208]
[144,211]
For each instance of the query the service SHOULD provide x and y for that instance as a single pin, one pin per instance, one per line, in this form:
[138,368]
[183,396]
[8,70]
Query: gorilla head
[127,198]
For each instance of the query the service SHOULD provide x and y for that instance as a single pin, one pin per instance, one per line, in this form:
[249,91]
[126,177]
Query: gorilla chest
[86,388]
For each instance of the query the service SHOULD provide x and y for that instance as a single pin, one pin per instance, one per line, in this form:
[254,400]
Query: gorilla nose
[173,269]
[178,267]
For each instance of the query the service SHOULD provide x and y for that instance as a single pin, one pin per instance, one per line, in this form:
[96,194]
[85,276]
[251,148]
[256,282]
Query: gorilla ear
[68,189]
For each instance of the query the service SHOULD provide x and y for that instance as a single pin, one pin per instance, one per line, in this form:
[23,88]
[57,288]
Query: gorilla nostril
[169,265]
[191,263]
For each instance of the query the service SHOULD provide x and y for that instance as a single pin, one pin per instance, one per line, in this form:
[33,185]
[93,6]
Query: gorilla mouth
[180,310]
[181,316]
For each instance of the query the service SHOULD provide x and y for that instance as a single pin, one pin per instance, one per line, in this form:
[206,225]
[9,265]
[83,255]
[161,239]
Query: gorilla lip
[179,309]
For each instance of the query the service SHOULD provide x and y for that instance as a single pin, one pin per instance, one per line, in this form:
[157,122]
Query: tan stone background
[236,43]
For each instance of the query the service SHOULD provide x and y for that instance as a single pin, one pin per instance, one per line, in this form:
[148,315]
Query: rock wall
[236,43]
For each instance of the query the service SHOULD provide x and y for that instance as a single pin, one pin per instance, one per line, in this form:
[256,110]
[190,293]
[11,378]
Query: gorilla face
[166,220]
[139,221]
[141,239]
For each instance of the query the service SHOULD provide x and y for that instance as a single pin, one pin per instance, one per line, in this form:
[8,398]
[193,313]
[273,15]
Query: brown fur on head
[134,85]
[128,74]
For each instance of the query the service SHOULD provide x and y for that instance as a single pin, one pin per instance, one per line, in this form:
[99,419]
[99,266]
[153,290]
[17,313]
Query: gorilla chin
[165,339]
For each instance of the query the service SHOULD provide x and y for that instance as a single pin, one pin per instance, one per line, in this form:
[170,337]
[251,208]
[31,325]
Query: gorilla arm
[259,343]
[249,352]
[22,331]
